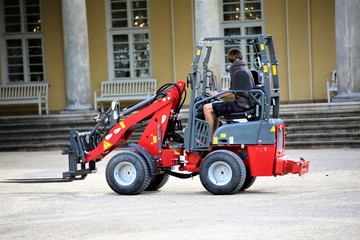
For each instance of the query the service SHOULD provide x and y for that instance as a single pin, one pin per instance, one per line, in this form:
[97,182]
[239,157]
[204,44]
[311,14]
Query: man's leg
[210,118]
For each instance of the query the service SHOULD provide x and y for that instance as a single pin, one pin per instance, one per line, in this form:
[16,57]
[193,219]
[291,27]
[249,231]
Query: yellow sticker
[274,71]
[198,52]
[122,124]
[262,47]
[272,129]
[215,141]
[266,69]
[107,145]
[176,153]
[154,139]
[223,135]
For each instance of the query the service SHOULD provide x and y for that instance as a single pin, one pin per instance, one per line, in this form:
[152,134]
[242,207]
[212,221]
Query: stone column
[207,24]
[76,49]
[347,19]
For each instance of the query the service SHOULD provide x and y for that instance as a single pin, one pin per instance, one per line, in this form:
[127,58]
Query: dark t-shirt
[241,102]
[240,65]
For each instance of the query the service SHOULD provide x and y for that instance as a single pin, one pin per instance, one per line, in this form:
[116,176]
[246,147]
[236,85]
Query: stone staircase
[322,125]
[308,126]
[40,132]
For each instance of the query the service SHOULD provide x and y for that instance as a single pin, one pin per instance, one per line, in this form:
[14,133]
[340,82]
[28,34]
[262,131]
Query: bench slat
[24,94]
[124,90]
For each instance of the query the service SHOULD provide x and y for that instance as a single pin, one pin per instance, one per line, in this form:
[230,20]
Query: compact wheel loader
[247,144]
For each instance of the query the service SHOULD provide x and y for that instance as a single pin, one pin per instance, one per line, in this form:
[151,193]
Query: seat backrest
[241,81]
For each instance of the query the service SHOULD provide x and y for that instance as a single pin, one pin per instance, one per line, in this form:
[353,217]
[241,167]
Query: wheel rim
[220,173]
[125,173]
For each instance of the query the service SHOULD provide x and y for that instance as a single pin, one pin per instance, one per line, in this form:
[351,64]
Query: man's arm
[227,96]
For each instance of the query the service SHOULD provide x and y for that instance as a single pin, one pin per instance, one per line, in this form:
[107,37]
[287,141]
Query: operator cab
[264,97]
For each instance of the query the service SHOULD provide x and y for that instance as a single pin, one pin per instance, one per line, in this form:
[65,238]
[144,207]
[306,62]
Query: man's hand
[228,96]
[214,93]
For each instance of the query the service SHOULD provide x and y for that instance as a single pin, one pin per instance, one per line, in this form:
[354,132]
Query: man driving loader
[212,111]
[239,152]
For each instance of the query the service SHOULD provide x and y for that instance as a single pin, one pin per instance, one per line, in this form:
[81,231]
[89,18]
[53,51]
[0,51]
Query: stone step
[47,118]
[323,144]
[42,143]
[34,145]
[323,136]
[339,128]
[308,126]
[320,121]
[315,107]
[136,135]
[41,131]
[47,125]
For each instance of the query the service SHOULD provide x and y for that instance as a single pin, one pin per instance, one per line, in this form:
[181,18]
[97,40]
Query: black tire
[157,182]
[222,172]
[249,180]
[128,173]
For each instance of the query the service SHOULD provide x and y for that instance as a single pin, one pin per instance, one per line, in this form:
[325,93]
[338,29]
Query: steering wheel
[205,94]
[210,81]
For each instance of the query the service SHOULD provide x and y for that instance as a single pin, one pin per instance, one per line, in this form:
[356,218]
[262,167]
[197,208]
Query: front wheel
[128,173]
[222,172]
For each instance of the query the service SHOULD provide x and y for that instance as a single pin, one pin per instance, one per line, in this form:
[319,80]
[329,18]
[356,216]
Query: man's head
[234,54]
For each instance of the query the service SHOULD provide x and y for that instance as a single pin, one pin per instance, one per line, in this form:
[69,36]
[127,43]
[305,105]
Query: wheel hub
[220,173]
[125,173]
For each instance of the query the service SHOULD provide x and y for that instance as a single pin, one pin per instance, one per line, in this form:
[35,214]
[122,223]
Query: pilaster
[347,19]
[207,24]
[76,52]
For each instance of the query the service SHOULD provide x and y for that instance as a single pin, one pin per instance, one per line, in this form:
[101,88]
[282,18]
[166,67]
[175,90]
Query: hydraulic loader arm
[155,115]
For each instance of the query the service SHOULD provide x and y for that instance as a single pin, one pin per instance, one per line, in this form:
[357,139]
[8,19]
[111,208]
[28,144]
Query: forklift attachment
[37,180]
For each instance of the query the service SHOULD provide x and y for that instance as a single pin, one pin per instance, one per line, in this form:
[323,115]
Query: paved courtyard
[323,204]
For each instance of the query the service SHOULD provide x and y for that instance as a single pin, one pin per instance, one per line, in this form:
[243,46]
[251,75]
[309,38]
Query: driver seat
[243,82]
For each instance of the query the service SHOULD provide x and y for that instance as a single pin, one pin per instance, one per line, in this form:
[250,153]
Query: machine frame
[230,161]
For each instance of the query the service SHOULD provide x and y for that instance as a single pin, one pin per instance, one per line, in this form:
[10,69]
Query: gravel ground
[323,204]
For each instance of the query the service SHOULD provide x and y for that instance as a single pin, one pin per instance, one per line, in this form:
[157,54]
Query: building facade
[74,45]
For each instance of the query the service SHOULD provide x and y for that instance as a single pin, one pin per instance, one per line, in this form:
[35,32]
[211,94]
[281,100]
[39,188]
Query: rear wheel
[157,182]
[222,172]
[249,180]
[128,173]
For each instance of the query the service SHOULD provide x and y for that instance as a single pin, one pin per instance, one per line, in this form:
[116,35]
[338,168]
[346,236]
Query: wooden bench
[31,93]
[225,81]
[331,85]
[122,90]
